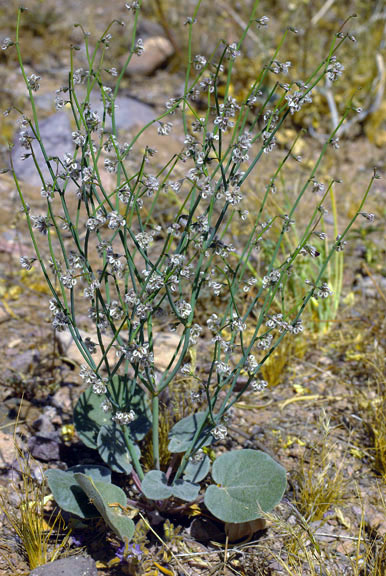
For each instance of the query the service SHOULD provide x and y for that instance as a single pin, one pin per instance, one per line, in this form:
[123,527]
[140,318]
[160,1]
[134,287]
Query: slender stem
[133,452]
[155,431]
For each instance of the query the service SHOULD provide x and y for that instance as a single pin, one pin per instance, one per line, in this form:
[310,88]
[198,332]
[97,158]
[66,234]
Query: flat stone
[71,566]
[16,407]
[44,449]
[165,345]
[7,449]
[64,399]
[4,316]
[129,111]
[24,361]
[377,521]
[69,349]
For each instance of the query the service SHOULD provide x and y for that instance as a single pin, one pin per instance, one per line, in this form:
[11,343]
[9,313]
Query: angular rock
[165,344]
[44,423]
[71,566]
[158,50]
[19,408]
[56,135]
[129,112]
[64,399]
[44,449]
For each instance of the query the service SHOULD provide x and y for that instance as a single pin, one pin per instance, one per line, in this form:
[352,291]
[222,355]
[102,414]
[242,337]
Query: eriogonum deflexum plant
[106,248]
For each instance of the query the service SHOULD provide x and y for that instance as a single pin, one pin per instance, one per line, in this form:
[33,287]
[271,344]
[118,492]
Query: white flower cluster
[297,99]
[240,150]
[276,321]
[258,385]
[137,354]
[33,82]
[272,278]
[99,385]
[123,418]
[222,368]
[183,308]
[219,432]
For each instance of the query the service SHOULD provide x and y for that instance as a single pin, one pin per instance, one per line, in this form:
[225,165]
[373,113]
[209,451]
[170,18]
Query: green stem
[133,453]
[155,431]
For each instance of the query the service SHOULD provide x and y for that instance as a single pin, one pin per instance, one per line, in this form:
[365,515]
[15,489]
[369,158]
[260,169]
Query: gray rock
[56,135]
[43,424]
[148,28]
[24,361]
[71,566]
[131,112]
[44,449]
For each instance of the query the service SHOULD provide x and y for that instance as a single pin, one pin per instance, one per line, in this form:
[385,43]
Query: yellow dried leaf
[293,440]
[194,510]
[100,564]
[357,453]
[13,293]
[164,570]
[39,287]
[353,356]
[342,519]
[349,300]
[299,389]
[301,398]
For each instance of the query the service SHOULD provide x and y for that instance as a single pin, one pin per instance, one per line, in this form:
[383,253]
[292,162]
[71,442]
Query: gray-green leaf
[196,470]
[89,416]
[182,433]
[109,500]
[249,483]
[69,495]
[185,490]
[155,486]
[112,449]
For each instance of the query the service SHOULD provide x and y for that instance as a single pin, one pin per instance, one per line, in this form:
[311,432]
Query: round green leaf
[155,486]
[89,416]
[69,495]
[98,473]
[67,492]
[182,433]
[249,483]
[185,490]
[113,450]
[196,470]
[110,501]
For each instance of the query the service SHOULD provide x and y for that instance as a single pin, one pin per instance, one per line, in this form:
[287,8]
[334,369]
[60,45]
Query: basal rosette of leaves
[105,257]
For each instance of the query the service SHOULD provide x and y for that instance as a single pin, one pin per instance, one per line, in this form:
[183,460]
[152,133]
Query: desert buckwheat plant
[107,255]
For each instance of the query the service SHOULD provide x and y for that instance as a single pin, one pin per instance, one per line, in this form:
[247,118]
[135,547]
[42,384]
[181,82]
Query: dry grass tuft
[41,539]
[320,482]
